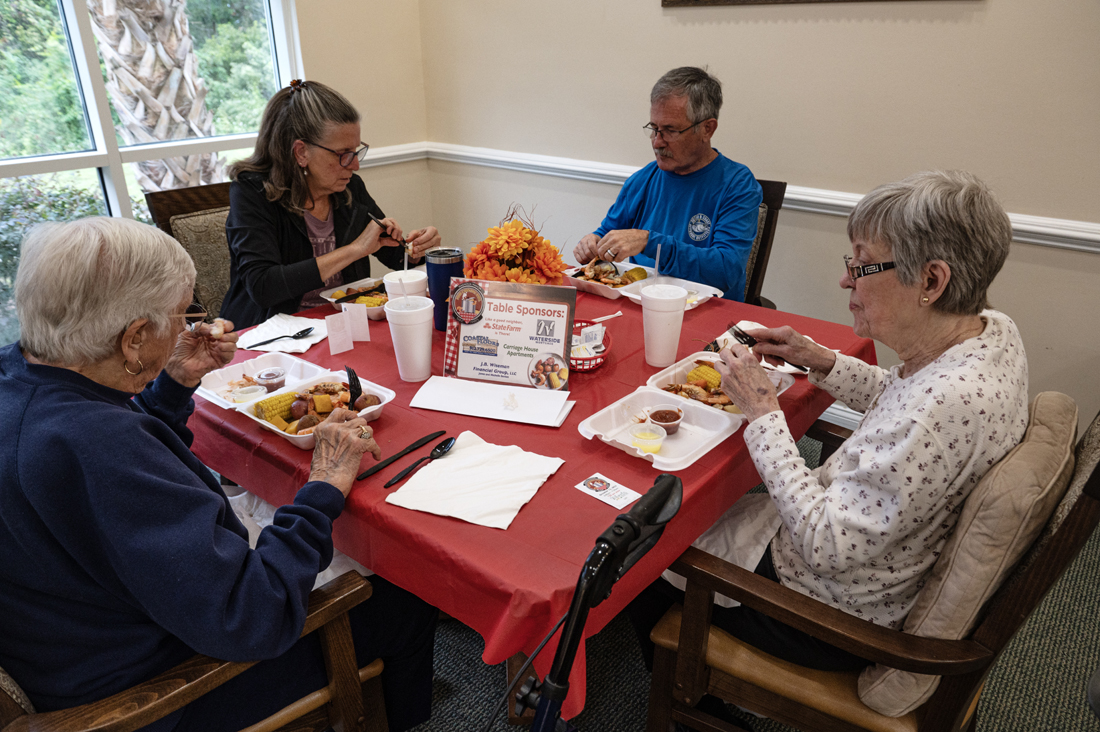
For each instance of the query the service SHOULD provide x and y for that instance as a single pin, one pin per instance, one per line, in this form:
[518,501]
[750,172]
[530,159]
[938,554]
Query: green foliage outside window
[39,109]
[41,112]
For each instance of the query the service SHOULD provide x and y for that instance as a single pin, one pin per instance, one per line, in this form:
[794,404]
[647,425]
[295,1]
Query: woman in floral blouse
[862,531]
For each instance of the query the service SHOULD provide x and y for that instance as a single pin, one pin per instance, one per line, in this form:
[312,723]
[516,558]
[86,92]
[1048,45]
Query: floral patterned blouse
[861,531]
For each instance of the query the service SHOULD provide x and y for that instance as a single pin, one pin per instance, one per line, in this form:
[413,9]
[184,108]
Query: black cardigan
[271,260]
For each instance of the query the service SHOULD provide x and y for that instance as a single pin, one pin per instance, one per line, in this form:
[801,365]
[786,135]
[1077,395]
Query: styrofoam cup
[415,283]
[410,320]
[662,316]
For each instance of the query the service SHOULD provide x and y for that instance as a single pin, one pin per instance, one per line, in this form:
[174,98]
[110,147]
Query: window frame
[106,156]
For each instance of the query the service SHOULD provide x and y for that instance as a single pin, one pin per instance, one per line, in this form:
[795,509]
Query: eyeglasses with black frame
[347,157]
[855,271]
[668,135]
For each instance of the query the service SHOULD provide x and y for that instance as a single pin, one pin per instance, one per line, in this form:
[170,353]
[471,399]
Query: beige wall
[841,96]
[844,96]
[371,53]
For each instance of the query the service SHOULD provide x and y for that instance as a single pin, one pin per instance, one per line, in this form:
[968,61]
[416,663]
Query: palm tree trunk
[155,89]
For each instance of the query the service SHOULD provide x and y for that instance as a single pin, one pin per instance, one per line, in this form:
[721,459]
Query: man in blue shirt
[697,204]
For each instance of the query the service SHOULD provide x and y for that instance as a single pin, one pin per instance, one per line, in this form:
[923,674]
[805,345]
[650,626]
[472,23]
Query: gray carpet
[1038,684]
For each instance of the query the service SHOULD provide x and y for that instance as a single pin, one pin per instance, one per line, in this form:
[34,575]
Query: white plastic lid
[664,297]
[406,275]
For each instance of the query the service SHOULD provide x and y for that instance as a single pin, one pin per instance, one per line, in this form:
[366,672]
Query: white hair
[81,284]
[949,215]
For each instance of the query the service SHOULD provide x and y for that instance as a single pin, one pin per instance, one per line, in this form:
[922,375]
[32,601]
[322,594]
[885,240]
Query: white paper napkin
[726,340]
[282,324]
[512,403]
[477,481]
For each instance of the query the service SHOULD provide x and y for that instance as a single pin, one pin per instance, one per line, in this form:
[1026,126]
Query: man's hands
[615,246]
[200,351]
[342,439]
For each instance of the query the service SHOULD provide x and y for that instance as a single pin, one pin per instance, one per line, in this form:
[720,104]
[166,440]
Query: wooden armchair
[196,218]
[351,701]
[692,658]
[757,266]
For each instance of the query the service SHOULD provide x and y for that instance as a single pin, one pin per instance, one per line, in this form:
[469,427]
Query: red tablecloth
[512,586]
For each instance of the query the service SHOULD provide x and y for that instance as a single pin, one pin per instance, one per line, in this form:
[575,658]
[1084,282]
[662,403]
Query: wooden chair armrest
[335,598]
[828,433]
[163,694]
[865,639]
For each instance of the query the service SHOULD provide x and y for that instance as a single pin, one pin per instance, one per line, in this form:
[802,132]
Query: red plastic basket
[592,362]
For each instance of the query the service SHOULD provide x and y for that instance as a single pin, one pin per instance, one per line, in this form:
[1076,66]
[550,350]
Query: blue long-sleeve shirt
[119,553]
[704,221]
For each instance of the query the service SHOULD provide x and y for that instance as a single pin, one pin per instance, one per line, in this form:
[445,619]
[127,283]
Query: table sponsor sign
[511,333]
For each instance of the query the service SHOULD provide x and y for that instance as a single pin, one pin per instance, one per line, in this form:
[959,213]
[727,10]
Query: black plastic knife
[418,444]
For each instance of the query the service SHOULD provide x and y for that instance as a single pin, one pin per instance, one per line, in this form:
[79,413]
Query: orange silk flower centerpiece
[514,252]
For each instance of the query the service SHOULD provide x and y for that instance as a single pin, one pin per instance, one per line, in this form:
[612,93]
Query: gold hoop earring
[126,368]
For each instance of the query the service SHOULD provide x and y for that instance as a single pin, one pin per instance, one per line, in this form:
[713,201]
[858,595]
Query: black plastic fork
[748,341]
[742,337]
[354,387]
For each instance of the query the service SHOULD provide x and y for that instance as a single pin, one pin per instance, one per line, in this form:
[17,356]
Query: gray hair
[947,215]
[302,111]
[81,284]
[703,91]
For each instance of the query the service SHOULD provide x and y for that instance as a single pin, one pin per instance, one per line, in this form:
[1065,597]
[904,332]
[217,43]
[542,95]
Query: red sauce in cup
[272,378]
[667,418]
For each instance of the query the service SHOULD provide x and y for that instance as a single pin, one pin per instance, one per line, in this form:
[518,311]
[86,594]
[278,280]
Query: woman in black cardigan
[300,220]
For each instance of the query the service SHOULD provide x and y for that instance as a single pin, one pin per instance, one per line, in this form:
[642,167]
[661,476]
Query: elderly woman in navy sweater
[121,555]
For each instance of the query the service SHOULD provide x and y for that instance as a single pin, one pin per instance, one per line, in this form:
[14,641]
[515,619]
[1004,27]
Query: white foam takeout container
[702,429]
[215,384]
[306,442]
[598,288]
[677,374]
[377,313]
[698,293]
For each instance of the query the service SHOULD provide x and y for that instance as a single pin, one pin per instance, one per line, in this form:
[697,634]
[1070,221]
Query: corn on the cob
[276,406]
[371,302]
[705,373]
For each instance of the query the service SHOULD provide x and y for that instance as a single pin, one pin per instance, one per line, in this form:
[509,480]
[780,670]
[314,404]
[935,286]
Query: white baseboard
[1040,230]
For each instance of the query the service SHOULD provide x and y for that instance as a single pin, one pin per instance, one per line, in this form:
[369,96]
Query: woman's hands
[795,349]
[341,441]
[374,237]
[746,382]
[418,242]
[421,240]
[200,351]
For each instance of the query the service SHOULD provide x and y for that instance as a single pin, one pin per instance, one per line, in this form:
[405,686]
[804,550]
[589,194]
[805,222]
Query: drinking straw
[657,261]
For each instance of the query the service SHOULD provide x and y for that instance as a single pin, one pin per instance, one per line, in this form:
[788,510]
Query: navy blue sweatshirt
[119,553]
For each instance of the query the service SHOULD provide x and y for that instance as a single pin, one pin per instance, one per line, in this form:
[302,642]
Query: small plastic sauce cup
[272,378]
[246,394]
[647,437]
[667,416]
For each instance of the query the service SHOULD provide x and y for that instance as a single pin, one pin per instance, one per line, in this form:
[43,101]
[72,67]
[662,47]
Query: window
[105,100]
